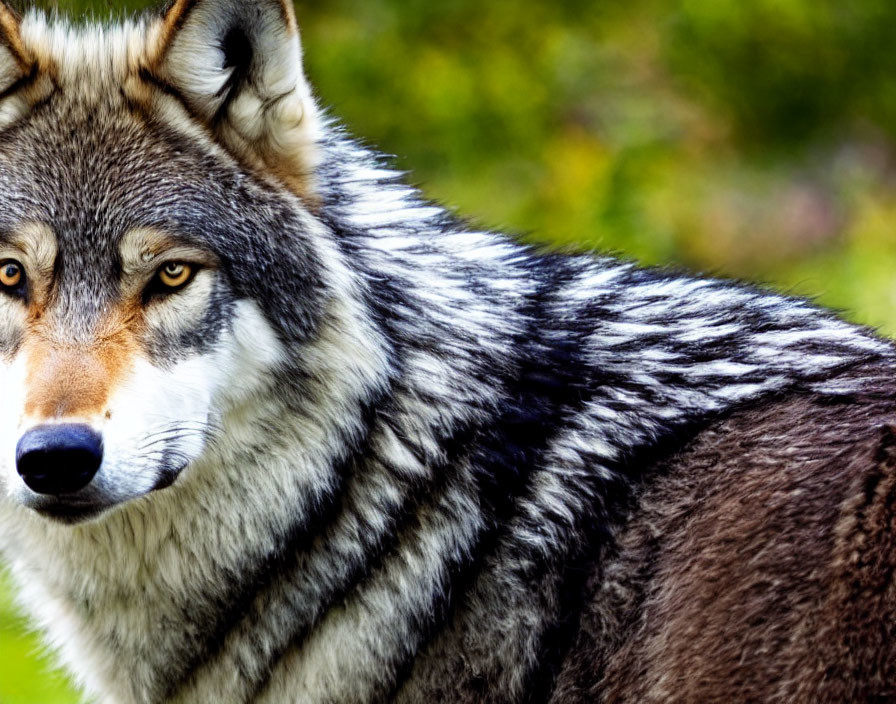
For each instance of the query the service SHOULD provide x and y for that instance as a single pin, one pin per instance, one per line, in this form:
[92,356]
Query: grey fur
[404,495]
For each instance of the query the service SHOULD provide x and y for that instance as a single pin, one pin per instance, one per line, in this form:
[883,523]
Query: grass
[26,674]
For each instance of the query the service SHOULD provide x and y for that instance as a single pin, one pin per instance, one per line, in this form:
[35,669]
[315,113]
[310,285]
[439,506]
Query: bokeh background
[745,138]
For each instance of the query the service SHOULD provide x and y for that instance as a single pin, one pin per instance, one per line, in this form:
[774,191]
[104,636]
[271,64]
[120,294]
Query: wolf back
[335,446]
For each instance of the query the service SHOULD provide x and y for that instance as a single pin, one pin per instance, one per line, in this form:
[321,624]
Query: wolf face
[134,239]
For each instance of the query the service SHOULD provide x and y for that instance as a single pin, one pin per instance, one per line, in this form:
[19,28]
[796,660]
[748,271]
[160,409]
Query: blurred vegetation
[746,138]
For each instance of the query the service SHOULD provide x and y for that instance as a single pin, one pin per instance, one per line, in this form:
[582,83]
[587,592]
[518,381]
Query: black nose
[59,459]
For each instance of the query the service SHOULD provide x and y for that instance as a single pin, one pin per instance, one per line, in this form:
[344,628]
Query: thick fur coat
[348,450]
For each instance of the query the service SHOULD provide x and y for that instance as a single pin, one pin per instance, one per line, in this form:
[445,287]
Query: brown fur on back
[757,567]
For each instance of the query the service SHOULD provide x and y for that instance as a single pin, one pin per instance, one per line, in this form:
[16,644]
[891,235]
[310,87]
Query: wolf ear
[16,63]
[237,66]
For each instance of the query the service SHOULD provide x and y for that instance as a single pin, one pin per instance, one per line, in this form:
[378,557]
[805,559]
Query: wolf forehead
[91,168]
[97,138]
[91,182]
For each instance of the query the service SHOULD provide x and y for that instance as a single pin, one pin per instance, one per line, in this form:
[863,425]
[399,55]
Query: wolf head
[158,247]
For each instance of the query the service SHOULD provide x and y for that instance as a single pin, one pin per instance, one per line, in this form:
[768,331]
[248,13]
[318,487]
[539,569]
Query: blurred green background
[746,138]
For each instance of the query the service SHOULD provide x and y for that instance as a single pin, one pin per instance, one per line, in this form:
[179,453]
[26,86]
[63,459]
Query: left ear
[237,66]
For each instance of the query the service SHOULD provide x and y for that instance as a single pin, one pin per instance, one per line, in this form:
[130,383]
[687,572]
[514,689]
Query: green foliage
[746,138]
[25,677]
[786,71]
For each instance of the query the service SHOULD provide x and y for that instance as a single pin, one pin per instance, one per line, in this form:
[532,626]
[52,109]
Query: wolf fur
[366,453]
[757,566]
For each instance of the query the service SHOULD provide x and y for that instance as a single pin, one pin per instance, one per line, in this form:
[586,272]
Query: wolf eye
[12,275]
[174,275]
[169,278]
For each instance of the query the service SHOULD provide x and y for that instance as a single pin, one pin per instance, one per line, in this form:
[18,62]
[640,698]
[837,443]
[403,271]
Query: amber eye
[175,274]
[11,274]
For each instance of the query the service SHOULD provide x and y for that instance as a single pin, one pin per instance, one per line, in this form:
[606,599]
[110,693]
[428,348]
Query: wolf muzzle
[59,459]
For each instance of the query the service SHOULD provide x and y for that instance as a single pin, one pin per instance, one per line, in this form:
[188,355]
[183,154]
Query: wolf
[276,429]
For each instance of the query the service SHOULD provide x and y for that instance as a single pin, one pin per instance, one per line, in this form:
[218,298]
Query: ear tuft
[236,64]
[15,61]
[22,80]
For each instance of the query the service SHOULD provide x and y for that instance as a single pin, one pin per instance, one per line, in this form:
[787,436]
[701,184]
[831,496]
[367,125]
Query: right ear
[236,65]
